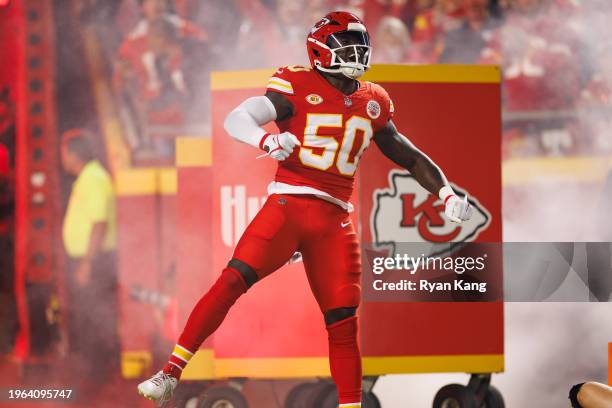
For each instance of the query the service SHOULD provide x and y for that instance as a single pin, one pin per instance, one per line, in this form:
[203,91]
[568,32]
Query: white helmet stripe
[356,27]
[319,43]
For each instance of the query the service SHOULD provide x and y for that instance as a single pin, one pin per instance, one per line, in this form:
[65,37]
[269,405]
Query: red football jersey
[334,129]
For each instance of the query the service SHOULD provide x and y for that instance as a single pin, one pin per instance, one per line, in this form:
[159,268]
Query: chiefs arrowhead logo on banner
[406,212]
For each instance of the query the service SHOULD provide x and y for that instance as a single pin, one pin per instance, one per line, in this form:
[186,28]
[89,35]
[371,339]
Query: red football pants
[324,235]
[327,240]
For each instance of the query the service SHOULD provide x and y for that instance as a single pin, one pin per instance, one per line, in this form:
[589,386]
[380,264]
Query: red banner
[452,114]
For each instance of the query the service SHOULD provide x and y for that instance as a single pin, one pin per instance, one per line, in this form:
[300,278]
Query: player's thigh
[269,240]
[333,265]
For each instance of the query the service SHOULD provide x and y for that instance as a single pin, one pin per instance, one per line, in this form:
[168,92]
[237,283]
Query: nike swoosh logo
[344,224]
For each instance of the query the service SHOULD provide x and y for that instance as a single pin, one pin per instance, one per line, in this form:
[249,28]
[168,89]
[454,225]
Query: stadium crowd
[556,70]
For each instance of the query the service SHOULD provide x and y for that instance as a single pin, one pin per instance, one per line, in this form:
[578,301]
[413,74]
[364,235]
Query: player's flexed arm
[245,121]
[405,154]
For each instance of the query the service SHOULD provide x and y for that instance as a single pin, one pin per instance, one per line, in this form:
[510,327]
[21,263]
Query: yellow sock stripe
[351,405]
[182,353]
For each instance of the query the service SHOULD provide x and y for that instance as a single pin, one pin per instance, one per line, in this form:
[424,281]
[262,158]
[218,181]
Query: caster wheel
[189,403]
[222,397]
[329,399]
[300,395]
[370,400]
[493,398]
[455,396]
[326,397]
[187,395]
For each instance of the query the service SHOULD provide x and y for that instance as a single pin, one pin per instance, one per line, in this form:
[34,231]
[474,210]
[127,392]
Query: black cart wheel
[186,402]
[300,395]
[455,396]
[329,399]
[370,400]
[326,397]
[187,395]
[493,398]
[222,397]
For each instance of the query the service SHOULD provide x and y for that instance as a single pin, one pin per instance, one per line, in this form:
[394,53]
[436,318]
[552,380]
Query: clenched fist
[279,146]
[458,210]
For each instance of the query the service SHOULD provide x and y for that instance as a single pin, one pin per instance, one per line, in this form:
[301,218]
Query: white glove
[458,210]
[279,146]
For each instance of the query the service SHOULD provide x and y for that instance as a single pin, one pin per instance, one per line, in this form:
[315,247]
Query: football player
[327,118]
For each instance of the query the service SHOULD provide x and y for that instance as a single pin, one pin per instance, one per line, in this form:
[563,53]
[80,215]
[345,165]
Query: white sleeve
[245,121]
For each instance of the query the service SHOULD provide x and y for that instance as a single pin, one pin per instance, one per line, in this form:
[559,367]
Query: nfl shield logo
[347,101]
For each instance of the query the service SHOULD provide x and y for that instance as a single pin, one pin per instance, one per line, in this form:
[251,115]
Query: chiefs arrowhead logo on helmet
[405,212]
[339,43]
[319,24]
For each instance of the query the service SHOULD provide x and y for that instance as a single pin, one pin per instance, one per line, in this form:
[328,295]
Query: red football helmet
[339,43]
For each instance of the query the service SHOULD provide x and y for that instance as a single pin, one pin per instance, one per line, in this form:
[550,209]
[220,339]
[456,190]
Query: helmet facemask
[350,53]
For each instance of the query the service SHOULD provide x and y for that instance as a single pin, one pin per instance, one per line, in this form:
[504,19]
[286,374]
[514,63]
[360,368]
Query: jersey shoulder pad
[287,79]
[380,95]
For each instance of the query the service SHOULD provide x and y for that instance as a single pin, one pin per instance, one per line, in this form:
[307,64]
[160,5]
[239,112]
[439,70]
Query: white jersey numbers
[320,151]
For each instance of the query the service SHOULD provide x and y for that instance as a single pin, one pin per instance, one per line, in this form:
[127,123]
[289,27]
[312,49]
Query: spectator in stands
[392,41]
[540,70]
[153,10]
[90,239]
[275,37]
[374,11]
[430,27]
[465,44]
[156,72]
[150,76]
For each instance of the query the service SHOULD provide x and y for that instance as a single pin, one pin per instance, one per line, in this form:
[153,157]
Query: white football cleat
[158,388]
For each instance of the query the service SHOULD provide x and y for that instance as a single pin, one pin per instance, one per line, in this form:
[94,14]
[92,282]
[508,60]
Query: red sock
[345,360]
[205,318]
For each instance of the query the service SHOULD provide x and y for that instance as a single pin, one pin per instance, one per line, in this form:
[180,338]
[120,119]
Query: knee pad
[248,274]
[335,315]
[573,395]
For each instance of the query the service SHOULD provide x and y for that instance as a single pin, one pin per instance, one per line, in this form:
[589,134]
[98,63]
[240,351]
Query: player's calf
[344,355]
[206,317]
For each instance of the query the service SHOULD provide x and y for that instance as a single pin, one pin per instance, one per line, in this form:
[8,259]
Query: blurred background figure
[152,10]
[464,44]
[150,77]
[90,241]
[274,36]
[157,72]
[392,42]
[434,19]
